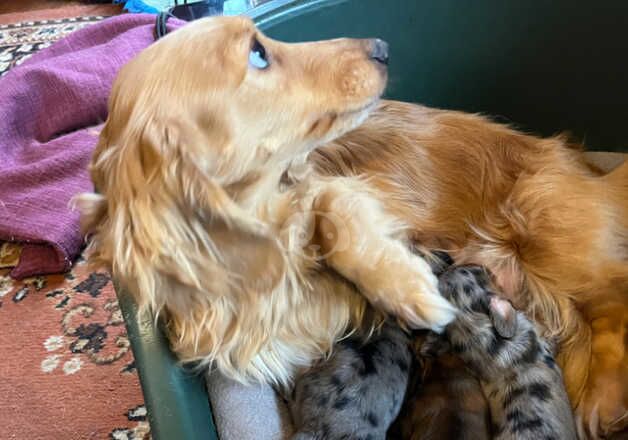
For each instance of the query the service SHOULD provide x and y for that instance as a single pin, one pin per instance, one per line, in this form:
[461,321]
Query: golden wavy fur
[192,217]
[209,213]
[553,231]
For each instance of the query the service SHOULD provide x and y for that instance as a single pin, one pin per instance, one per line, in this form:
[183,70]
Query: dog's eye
[257,56]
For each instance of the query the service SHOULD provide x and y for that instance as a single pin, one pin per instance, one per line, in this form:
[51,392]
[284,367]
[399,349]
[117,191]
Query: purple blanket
[49,106]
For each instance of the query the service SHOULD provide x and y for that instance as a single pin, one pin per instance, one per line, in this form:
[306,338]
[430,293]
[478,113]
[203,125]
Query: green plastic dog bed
[545,66]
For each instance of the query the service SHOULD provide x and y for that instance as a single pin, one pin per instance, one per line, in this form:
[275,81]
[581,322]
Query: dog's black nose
[379,51]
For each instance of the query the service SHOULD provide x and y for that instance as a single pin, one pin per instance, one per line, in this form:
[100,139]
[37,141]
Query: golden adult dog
[553,231]
[192,217]
[209,213]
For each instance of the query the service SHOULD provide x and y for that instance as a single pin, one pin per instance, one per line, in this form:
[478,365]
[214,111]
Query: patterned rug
[20,40]
[67,371]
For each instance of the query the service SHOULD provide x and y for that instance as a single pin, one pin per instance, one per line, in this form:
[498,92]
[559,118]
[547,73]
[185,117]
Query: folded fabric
[247,412]
[49,106]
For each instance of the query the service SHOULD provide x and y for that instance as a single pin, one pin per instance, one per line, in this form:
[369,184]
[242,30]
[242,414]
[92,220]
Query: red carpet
[66,368]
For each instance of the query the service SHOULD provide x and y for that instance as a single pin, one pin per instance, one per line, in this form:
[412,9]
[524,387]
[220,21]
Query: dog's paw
[603,408]
[426,308]
[601,416]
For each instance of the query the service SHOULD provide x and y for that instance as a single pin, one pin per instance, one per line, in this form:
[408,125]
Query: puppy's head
[194,115]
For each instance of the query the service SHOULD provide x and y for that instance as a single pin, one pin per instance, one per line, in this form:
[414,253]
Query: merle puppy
[357,392]
[445,400]
[515,365]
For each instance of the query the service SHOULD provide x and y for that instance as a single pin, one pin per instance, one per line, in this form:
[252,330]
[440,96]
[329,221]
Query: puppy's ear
[503,316]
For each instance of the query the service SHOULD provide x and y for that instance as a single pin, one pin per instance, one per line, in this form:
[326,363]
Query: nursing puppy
[515,365]
[357,392]
[444,401]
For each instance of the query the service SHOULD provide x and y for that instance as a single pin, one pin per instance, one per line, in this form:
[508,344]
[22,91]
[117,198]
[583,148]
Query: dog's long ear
[168,212]
[241,244]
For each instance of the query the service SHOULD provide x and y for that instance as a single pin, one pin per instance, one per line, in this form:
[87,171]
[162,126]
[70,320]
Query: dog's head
[235,100]
[193,116]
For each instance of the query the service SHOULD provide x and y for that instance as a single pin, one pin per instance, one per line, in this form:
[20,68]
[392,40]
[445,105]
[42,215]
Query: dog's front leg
[364,244]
